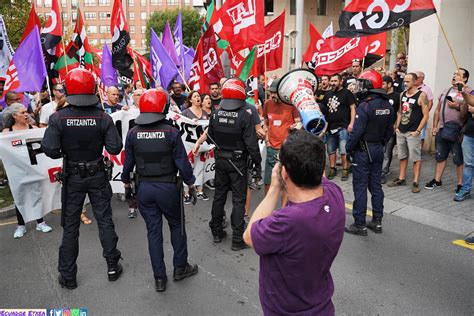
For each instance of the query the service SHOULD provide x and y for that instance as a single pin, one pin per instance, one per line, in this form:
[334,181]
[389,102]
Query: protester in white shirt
[50,108]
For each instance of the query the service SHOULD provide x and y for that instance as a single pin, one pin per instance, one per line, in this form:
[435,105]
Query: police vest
[379,114]
[227,129]
[153,150]
[82,136]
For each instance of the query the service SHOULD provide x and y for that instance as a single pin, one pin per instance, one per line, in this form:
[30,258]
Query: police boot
[114,269]
[184,272]
[375,225]
[238,245]
[356,229]
[160,284]
[68,284]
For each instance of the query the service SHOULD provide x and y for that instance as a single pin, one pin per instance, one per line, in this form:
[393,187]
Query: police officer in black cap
[156,149]
[232,131]
[372,130]
[78,133]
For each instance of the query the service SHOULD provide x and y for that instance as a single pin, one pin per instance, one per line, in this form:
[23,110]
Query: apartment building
[97,13]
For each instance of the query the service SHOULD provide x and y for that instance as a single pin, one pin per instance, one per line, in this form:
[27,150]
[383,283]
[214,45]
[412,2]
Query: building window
[64,15]
[104,3]
[92,29]
[131,3]
[132,15]
[89,3]
[104,15]
[143,29]
[74,16]
[143,42]
[104,29]
[39,3]
[47,3]
[322,7]
[90,15]
[292,7]
[93,41]
[103,41]
[132,28]
[63,3]
[143,3]
[156,2]
[74,4]
[269,7]
[143,15]
[172,2]
[132,42]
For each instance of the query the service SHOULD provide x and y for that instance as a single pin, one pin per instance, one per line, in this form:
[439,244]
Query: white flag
[6,50]
[328,32]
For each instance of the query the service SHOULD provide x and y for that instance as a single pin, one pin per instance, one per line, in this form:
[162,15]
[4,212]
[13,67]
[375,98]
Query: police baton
[228,159]
[368,151]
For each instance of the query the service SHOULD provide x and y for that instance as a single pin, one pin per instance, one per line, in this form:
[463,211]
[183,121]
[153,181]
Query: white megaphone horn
[296,88]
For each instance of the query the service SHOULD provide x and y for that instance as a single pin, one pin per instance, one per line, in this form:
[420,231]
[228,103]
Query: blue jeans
[337,140]
[468,155]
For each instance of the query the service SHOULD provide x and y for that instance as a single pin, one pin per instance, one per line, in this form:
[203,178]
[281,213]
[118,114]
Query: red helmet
[154,105]
[233,94]
[374,77]
[80,88]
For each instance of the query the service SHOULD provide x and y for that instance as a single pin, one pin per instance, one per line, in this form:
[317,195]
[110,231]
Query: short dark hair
[387,79]
[325,76]
[337,75]
[190,96]
[127,85]
[214,84]
[465,74]
[413,75]
[304,157]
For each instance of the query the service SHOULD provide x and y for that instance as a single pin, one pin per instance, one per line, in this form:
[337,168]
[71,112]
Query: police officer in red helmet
[155,148]
[231,128]
[372,130]
[78,133]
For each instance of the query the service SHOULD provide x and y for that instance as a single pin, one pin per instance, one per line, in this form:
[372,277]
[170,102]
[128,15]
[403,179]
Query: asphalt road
[410,269]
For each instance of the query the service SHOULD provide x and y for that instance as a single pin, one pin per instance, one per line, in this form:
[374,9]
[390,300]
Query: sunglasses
[60,90]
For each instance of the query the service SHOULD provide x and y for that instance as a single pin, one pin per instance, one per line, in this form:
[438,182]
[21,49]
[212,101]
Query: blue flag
[163,68]
[108,74]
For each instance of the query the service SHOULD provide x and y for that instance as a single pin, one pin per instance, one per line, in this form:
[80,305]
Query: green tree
[15,14]
[191,21]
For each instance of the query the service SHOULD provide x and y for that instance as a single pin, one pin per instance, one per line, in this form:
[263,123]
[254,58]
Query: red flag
[236,59]
[315,42]
[243,23]
[53,30]
[273,46]
[377,44]
[366,17]
[207,67]
[33,21]
[336,54]
[120,36]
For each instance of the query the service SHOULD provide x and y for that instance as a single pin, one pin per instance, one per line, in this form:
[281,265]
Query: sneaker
[210,184]
[184,272]
[433,184]
[132,213]
[202,196]
[458,188]
[355,229]
[218,238]
[462,195]
[415,188]
[375,225]
[260,182]
[345,175]
[332,173]
[187,199]
[114,270]
[397,183]
[470,240]
[43,227]
[19,231]
[236,246]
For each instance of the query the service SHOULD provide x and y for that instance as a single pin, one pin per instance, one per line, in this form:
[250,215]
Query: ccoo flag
[27,69]
[366,17]
[163,68]
[108,74]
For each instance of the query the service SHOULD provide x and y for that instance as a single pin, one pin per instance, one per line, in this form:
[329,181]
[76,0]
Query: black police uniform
[80,134]
[372,130]
[158,153]
[236,138]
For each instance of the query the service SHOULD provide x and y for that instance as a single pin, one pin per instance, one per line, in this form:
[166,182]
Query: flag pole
[265,73]
[447,41]
[135,63]
[64,54]
[49,89]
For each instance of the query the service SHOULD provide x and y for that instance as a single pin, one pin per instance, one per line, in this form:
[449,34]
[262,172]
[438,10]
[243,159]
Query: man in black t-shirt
[338,107]
[322,89]
[215,91]
[394,99]
[356,71]
[178,97]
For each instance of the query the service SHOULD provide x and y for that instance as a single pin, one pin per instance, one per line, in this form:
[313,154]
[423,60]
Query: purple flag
[27,69]
[168,43]
[108,74]
[178,40]
[188,61]
[163,68]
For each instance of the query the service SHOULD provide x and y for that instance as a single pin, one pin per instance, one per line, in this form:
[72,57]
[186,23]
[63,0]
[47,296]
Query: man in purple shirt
[298,243]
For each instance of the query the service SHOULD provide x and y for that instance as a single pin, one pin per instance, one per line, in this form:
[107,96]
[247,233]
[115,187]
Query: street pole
[299,30]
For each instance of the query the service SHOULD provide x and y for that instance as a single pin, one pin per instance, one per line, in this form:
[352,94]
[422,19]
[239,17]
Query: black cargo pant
[226,179]
[100,193]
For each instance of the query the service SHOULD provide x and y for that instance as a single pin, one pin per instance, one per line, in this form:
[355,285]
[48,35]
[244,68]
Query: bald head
[112,95]
[421,77]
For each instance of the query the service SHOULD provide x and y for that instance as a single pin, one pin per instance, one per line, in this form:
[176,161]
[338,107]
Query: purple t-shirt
[297,245]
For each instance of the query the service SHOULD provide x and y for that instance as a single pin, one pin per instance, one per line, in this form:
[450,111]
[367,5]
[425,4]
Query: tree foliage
[15,14]
[191,21]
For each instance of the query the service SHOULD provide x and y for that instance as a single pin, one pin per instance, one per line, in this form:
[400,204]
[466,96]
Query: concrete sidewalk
[434,208]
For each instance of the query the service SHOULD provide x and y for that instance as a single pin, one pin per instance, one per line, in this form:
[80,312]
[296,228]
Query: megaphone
[296,88]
